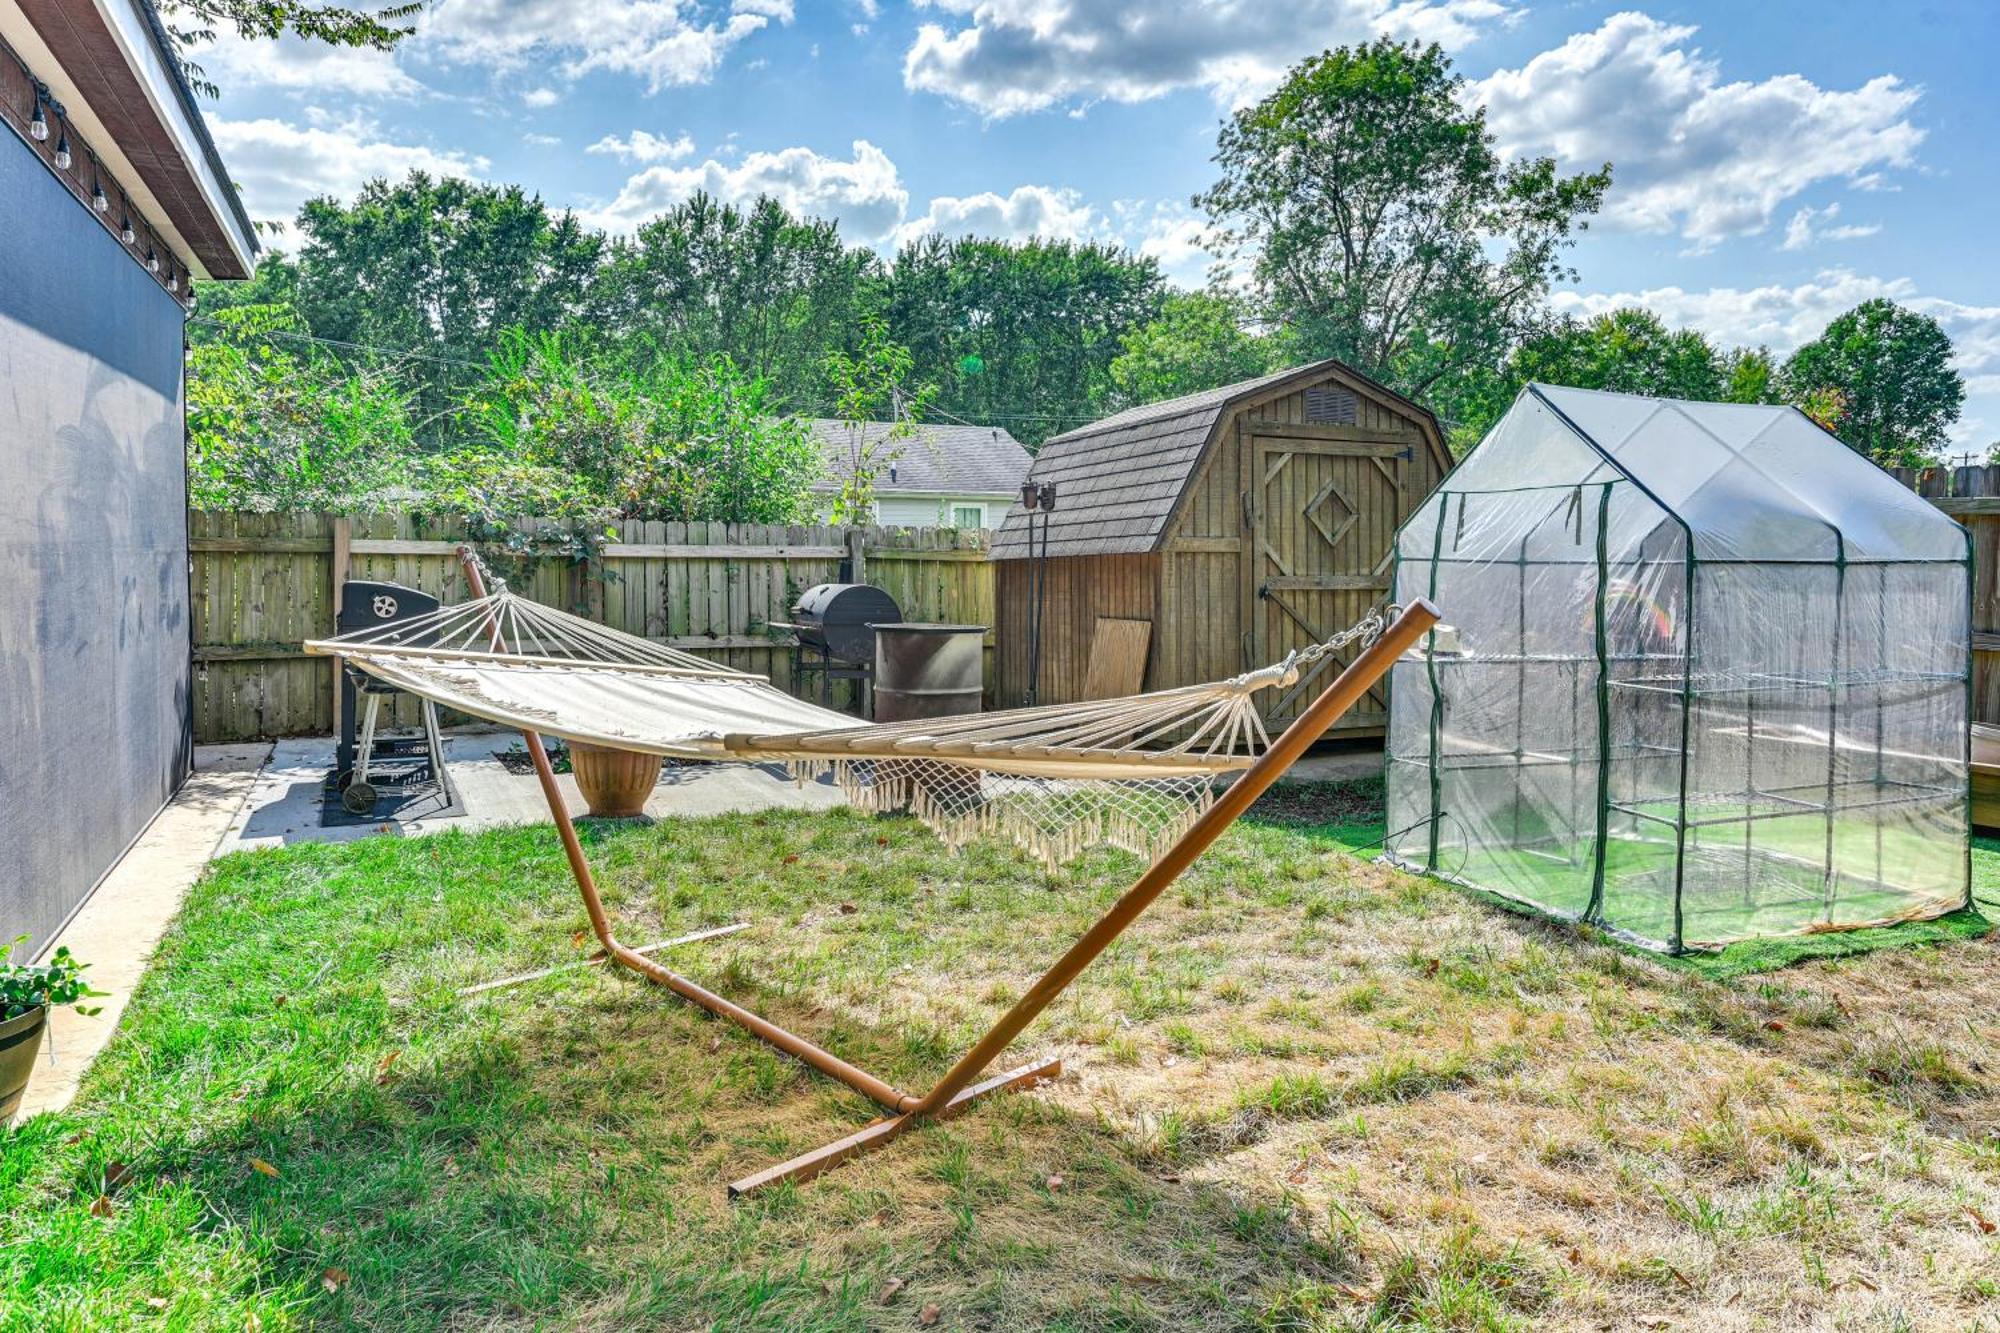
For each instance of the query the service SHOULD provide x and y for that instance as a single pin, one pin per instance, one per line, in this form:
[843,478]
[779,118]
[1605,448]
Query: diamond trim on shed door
[1326,516]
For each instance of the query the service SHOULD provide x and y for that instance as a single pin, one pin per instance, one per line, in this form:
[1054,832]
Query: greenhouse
[1703,676]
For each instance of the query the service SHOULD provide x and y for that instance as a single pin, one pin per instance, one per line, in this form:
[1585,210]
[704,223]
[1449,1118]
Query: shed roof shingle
[1117,480]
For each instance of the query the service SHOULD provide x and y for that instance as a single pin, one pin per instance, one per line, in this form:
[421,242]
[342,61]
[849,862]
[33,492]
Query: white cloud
[1690,153]
[1026,211]
[1809,226]
[540,98]
[1782,317]
[1006,57]
[292,64]
[864,193]
[640,146]
[541,140]
[279,165]
[663,41]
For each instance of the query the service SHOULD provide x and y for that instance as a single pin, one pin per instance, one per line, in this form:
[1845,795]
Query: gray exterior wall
[94,647]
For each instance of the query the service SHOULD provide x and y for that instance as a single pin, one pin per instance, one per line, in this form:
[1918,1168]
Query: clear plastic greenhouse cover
[1706,679]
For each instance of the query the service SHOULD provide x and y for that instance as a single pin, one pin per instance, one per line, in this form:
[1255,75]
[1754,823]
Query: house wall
[94,646]
[926,511]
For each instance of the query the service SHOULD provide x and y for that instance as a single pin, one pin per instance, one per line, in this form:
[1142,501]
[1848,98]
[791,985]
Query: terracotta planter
[616,783]
[20,1043]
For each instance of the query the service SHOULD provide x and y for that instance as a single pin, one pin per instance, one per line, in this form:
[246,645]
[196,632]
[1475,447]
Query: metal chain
[1363,631]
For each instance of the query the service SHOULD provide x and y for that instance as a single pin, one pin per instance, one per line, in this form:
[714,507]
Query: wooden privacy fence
[1972,496]
[264,583]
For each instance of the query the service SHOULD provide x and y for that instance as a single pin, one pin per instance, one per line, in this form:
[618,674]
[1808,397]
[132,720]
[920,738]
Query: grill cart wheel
[358,798]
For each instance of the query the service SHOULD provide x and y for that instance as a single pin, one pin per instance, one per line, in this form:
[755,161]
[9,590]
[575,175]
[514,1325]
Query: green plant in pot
[27,993]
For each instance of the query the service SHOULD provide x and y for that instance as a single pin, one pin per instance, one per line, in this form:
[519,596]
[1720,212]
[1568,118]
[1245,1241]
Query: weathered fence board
[1972,496]
[265,583]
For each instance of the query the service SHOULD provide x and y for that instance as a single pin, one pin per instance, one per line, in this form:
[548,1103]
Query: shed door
[1327,505]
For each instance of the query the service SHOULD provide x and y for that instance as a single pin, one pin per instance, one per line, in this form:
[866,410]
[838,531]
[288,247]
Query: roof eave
[119,63]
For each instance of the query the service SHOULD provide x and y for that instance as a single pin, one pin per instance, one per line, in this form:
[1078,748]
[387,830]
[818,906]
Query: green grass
[1349,814]
[1286,1084]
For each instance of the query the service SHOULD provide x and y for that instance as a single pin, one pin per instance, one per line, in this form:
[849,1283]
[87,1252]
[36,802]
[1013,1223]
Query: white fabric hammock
[1131,772]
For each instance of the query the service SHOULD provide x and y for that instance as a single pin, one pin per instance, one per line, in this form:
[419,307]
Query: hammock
[1131,772]
[1058,777]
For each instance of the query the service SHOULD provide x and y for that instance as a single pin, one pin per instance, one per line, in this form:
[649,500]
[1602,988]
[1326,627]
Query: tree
[1380,223]
[190,23]
[1891,368]
[550,430]
[274,423]
[873,385]
[1020,335]
[1625,351]
[1750,375]
[437,268]
[772,292]
[1198,342]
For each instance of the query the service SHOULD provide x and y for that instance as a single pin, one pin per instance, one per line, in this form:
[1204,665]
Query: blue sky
[1775,161]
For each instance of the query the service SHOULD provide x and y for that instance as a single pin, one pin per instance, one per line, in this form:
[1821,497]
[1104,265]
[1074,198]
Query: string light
[38,128]
[63,158]
[173,281]
[99,200]
[152,260]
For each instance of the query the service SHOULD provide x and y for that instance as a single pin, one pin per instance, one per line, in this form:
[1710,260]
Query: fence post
[343,536]
[857,554]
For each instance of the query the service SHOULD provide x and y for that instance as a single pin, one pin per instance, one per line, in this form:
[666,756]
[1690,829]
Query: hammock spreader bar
[961,1086]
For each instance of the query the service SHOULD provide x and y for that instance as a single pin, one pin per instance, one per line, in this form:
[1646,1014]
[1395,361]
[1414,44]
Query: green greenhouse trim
[1536,851]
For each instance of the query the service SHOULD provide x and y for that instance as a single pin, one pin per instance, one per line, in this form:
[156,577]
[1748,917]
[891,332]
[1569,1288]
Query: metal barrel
[927,670]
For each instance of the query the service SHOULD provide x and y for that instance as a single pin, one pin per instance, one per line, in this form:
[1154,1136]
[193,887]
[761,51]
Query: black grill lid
[839,619]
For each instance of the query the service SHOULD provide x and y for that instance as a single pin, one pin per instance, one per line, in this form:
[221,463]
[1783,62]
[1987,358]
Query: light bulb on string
[125,232]
[38,128]
[63,158]
[173,281]
[99,200]
[152,260]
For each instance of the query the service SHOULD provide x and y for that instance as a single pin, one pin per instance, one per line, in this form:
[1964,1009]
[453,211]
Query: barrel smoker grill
[834,624]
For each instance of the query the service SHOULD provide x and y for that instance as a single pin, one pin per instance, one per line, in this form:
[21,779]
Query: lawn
[1305,1093]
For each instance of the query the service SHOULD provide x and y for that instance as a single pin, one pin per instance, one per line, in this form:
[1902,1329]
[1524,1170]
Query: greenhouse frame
[1704,676]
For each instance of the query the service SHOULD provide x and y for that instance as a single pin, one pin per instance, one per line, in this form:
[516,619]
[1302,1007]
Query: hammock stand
[958,1088]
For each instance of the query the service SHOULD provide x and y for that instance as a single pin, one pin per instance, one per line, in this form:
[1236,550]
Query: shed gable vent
[1330,405]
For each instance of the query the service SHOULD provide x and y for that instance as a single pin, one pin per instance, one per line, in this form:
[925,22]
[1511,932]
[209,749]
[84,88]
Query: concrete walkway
[284,807]
[118,926]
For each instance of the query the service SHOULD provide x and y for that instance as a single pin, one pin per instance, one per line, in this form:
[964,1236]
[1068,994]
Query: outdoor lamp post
[1034,497]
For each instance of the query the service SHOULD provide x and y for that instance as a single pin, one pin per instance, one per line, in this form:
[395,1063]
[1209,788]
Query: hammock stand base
[957,1089]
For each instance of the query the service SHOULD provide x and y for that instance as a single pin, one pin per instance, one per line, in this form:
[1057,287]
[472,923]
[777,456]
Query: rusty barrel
[927,670]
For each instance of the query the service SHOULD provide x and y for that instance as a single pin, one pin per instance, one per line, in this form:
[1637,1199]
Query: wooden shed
[1237,524]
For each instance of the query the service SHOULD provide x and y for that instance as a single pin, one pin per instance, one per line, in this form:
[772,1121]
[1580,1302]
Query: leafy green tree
[190,23]
[1891,367]
[873,384]
[1625,351]
[549,431]
[1198,342]
[1019,334]
[1750,375]
[772,292]
[437,268]
[273,423]
[1380,224]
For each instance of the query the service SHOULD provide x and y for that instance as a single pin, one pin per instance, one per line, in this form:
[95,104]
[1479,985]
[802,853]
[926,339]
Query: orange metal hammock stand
[962,1084]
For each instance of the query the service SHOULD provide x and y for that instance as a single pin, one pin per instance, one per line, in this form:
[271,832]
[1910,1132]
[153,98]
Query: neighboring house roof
[1117,480]
[111,66]
[936,460]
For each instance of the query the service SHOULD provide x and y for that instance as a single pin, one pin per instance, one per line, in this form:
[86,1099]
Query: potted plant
[27,992]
